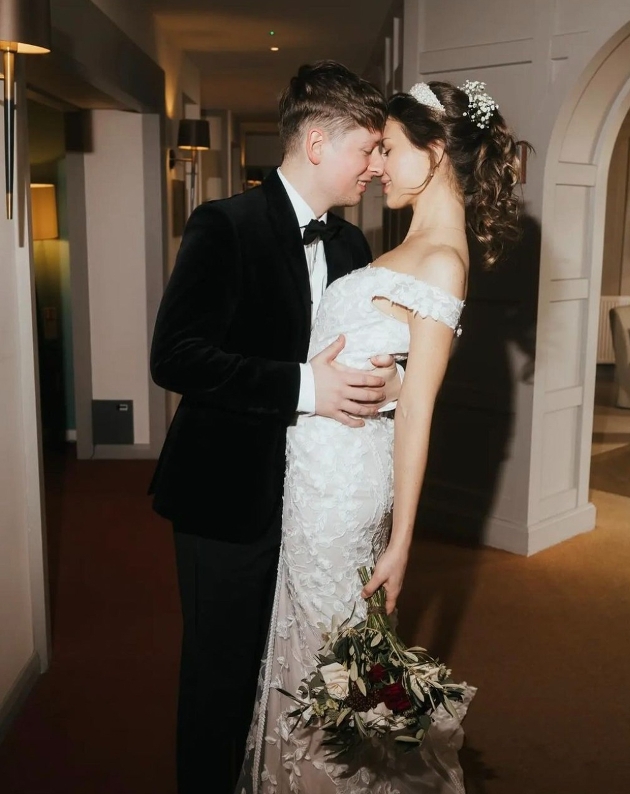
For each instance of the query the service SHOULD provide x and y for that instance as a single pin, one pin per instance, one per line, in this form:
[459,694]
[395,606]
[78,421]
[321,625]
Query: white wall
[23,626]
[16,628]
[114,188]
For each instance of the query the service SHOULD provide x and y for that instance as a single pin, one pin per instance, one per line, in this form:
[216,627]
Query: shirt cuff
[391,405]
[306,398]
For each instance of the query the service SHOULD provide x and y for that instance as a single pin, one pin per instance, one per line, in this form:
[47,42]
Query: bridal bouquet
[367,683]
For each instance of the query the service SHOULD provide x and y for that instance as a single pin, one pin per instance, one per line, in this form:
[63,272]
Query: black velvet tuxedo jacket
[233,325]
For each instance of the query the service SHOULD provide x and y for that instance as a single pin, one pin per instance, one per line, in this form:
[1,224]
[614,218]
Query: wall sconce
[24,28]
[44,212]
[193,135]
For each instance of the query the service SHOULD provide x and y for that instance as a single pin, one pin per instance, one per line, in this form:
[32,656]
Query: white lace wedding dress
[336,517]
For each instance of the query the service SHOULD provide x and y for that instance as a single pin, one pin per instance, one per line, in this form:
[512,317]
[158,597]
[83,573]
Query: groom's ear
[314,144]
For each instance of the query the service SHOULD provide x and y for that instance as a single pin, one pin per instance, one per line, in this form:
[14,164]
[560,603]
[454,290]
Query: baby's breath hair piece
[480,105]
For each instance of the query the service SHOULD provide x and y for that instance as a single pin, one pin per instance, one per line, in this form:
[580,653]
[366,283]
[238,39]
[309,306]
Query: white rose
[377,717]
[399,723]
[337,680]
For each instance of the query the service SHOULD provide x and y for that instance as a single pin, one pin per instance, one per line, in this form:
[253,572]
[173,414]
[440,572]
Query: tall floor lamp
[193,135]
[24,28]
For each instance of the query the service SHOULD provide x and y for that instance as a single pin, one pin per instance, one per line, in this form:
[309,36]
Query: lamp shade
[193,134]
[44,212]
[25,25]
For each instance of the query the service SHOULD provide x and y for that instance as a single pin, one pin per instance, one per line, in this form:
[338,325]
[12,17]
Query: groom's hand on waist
[343,393]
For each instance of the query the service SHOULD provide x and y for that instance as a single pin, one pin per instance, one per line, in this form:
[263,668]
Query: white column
[23,608]
[116,243]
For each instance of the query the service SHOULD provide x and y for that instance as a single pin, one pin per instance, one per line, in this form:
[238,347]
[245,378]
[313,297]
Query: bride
[351,494]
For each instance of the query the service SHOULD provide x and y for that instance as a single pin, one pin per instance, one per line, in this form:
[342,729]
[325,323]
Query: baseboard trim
[554,530]
[123,452]
[13,702]
[509,536]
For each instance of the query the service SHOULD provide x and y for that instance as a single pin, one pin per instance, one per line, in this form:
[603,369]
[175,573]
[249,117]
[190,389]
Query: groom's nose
[376,162]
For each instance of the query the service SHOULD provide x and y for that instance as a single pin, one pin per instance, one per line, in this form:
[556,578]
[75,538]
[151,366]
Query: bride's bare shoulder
[444,267]
[440,265]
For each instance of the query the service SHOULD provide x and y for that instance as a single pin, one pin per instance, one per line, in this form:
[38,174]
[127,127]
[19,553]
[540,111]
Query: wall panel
[564,325]
[459,23]
[558,472]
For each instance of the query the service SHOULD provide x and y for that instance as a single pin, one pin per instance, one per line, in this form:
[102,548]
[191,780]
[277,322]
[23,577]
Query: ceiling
[229,40]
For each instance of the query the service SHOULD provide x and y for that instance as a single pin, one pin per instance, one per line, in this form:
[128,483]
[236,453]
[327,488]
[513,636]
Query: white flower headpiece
[423,94]
[480,105]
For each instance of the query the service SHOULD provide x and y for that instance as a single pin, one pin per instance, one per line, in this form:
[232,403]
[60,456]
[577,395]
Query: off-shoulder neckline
[415,278]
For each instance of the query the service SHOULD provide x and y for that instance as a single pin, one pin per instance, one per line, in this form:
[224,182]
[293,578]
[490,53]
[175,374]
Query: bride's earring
[429,177]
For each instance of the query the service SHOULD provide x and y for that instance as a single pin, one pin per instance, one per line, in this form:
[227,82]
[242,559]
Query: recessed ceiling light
[274,49]
[272,32]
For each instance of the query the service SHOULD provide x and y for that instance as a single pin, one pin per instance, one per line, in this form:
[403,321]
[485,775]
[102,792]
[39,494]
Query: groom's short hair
[330,94]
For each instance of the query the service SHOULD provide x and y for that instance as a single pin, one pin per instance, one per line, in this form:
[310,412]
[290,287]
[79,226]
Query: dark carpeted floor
[101,720]
[545,639]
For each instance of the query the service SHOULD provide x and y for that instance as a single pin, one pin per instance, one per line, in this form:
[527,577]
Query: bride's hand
[385,366]
[390,573]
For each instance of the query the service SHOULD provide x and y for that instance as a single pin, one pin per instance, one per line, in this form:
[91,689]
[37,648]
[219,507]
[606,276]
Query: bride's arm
[429,352]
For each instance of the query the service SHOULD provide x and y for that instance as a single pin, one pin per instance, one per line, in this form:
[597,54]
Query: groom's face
[350,161]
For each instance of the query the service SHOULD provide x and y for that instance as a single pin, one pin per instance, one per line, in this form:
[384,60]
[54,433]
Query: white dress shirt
[318,277]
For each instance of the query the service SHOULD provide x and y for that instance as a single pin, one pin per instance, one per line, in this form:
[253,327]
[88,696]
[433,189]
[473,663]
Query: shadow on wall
[474,414]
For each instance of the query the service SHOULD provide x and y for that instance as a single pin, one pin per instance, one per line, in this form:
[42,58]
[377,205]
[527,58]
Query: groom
[231,337]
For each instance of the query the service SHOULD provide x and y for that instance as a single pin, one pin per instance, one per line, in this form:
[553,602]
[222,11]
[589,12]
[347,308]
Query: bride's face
[405,167]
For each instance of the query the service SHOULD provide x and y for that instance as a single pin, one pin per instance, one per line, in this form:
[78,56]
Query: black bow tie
[322,229]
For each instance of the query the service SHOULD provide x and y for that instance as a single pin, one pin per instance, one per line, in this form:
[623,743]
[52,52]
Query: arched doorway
[573,219]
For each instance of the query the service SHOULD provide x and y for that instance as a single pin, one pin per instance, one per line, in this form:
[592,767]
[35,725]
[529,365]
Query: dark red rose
[359,702]
[377,673]
[395,697]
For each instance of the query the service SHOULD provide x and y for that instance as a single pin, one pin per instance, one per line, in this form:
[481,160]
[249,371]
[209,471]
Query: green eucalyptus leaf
[450,708]
[342,716]
[411,656]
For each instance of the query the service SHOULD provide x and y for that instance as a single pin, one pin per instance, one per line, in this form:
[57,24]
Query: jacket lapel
[285,226]
[338,252]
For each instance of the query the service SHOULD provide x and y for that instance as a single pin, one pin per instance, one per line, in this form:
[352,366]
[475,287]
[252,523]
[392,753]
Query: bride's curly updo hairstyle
[483,153]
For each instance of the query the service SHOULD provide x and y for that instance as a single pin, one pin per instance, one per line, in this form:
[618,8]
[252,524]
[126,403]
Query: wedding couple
[285,457]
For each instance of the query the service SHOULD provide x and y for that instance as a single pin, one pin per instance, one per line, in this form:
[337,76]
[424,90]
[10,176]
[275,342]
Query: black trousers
[226,594]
